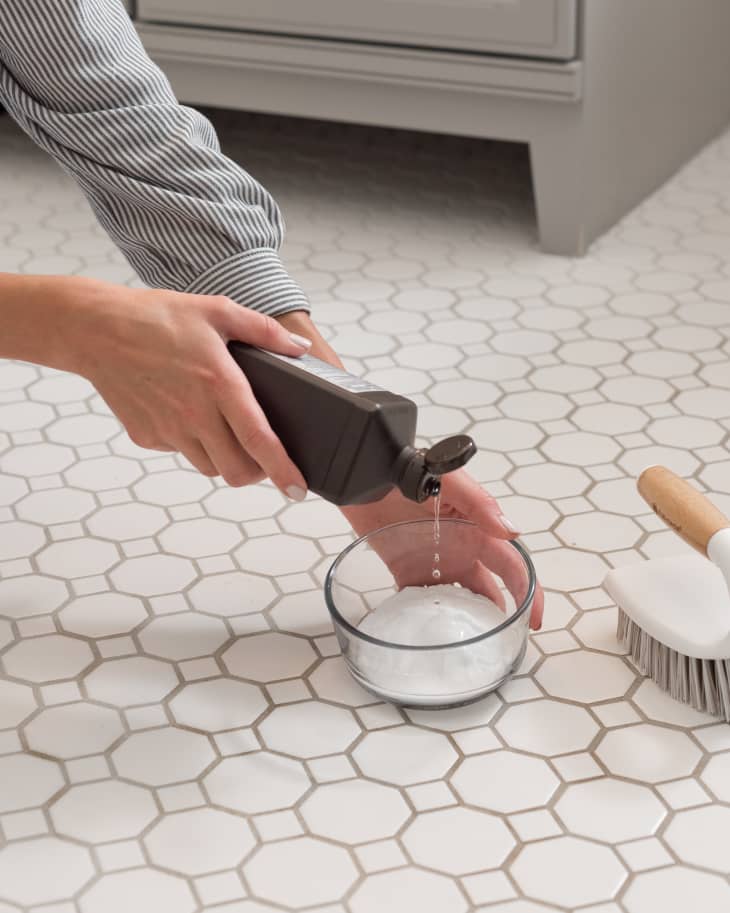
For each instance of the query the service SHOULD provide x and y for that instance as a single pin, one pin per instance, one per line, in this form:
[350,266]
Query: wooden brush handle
[684,509]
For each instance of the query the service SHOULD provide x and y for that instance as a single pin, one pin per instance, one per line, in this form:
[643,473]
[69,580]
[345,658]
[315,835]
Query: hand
[463,498]
[159,360]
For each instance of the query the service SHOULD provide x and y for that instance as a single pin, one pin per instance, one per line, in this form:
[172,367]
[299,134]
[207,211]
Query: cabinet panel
[533,28]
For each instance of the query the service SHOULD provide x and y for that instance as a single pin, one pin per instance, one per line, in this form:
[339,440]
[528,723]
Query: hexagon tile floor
[177,731]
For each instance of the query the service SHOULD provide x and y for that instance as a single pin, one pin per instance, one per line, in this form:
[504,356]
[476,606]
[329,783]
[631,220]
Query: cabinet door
[531,28]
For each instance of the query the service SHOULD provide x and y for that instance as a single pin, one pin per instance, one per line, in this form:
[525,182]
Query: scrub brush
[674,613]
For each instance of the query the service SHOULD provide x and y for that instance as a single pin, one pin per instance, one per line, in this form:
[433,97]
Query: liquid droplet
[436,573]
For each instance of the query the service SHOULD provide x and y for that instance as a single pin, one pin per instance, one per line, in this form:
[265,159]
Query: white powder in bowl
[427,616]
[431,616]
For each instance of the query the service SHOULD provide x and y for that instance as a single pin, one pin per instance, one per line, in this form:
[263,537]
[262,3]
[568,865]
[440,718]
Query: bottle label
[330,373]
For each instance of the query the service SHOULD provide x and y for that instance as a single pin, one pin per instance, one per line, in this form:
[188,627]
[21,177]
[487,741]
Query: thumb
[243,324]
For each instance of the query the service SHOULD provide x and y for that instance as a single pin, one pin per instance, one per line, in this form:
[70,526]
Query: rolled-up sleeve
[75,76]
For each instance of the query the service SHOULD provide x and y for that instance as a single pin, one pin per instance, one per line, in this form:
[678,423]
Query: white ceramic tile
[129,681]
[696,835]
[268,657]
[408,889]
[504,781]
[218,704]
[18,825]
[648,753]
[291,554]
[258,782]
[277,825]
[74,730]
[42,659]
[332,682]
[66,868]
[577,767]
[714,738]
[159,756]
[585,677]
[120,891]
[231,594]
[547,727]
[404,755]
[88,769]
[176,486]
[455,718]
[198,841]
[16,703]
[427,796]
[648,853]
[674,889]
[150,716]
[152,575]
[179,797]
[657,705]
[535,825]
[34,627]
[328,769]
[309,729]
[380,856]
[316,872]
[458,841]
[105,811]
[618,713]
[354,811]
[610,810]
[215,889]
[569,871]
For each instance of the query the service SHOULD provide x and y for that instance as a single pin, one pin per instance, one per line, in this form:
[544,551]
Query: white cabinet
[530,28]
[611,95]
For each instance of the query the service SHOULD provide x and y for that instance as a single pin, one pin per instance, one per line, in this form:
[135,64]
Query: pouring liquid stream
[436,573]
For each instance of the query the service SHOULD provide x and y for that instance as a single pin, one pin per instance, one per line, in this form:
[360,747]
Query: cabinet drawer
[529,28]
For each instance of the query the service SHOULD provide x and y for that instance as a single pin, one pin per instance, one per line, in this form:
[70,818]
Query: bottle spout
[422,470]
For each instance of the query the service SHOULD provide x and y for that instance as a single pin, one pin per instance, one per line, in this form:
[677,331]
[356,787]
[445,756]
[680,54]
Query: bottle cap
[450,454]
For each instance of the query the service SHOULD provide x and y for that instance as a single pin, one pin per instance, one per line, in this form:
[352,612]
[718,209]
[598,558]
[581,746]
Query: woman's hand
[159,360]
[461,498]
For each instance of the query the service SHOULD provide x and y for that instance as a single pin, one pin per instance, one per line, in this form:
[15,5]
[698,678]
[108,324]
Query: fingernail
[509,526]
[300,340]
[296,492]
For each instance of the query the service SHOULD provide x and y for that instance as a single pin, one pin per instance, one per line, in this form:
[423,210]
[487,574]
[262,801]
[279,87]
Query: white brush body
[718,551]
[682,602]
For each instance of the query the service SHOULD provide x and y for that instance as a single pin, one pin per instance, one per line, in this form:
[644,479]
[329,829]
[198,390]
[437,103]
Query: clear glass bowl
[447,641]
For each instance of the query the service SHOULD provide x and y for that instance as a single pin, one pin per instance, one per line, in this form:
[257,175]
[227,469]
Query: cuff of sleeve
[256,279]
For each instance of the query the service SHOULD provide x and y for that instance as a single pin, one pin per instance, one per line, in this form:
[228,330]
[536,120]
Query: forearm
[37,318]
[75,76]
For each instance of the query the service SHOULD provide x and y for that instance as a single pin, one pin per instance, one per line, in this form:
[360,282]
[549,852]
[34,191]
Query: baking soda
[428,616]
[433,616]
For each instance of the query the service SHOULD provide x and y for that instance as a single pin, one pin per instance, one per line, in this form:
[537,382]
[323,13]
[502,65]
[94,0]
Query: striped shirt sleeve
[75,76]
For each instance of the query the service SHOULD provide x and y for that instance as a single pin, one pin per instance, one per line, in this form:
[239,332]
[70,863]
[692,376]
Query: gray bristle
[702,683]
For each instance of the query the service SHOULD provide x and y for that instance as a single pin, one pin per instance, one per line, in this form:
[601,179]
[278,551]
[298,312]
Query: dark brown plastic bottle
[352,441]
